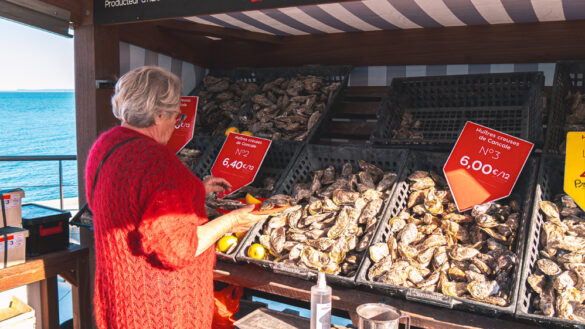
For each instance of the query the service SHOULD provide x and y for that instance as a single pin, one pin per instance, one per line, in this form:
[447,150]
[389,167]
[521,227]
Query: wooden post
[50,303]
[97,57]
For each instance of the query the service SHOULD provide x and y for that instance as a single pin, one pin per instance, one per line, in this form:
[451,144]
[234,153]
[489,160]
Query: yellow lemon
[231,130]
[247,133]
[226,243]
[256,251]
[252,200]
[240,235]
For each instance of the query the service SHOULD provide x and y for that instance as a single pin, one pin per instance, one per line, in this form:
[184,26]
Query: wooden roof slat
[218,32]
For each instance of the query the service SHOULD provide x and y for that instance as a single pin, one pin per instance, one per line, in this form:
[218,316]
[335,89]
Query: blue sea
[38,123]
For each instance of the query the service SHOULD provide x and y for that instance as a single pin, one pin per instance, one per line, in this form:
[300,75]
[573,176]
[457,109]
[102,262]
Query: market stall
[397,127]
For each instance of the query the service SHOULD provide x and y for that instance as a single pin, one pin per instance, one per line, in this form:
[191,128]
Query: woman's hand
[216,184]
[243,219]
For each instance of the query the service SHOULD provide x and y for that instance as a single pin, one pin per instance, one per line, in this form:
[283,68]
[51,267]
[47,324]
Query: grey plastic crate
[550,182]
[507,102]
[238,74]
[569,76]
[422,160]
[331,74]
[315,157]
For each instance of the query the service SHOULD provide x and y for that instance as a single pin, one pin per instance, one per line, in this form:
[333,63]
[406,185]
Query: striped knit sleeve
[169,228]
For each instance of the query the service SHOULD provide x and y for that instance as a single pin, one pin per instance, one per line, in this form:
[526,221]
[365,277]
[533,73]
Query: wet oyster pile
[559,275]
[433,247]
[189,157]
[219,104]
[331,221]
[288,109]
[575,111]
[407,128]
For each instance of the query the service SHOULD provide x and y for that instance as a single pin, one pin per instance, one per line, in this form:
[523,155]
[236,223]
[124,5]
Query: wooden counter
[422,316]
[72,265]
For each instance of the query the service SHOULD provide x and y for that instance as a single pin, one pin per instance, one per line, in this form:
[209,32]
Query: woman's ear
[158,117]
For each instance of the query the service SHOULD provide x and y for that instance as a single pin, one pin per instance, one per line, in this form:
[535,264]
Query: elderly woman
[153,242]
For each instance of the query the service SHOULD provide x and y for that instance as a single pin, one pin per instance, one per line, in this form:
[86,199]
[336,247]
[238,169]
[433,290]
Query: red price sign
[184,130]
[240,159]
[484,165]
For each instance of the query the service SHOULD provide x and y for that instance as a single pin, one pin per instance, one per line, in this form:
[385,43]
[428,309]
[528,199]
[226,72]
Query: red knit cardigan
[147,206]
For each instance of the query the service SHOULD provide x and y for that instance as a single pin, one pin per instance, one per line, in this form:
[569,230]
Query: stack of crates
[12,235]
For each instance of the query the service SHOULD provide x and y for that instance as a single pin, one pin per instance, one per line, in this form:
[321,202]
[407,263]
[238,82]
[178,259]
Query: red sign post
[484,165]
[240,159]
[184,132]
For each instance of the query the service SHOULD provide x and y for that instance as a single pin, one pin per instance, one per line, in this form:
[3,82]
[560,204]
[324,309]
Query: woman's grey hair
[143,93]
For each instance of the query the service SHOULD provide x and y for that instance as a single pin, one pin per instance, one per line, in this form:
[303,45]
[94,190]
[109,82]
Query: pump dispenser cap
[321,283]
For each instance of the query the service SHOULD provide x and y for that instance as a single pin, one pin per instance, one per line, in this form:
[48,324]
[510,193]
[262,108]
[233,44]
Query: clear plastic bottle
[321,304]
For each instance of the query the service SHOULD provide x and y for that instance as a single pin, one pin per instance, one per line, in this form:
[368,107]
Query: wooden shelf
[72,265]
[422,316]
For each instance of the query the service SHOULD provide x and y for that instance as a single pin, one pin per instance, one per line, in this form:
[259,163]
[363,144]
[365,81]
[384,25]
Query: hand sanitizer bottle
[321,304]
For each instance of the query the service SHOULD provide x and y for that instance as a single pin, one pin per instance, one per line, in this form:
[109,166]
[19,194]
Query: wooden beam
[193,49]
[216,31]
[507,43]
[80,11]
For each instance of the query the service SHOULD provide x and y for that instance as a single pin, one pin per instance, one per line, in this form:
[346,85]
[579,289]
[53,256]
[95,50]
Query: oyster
[462,253]
[548,267]
[342,197]
[482,290]
[279,200]
[375,172]
[277,239]
[387,182]
[379,251]
[408,234]
[549,209]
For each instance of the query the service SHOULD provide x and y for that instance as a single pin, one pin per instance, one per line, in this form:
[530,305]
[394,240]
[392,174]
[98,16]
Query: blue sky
[34,59]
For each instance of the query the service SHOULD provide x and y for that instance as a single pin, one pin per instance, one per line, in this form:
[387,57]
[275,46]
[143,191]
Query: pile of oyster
[433,247]
[559,276]
[231,201]
[575,111]
[331,220]
[288,109]
[408,128]
[219,104]
[189,157]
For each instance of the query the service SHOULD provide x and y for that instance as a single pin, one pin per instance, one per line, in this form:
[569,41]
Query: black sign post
[123,11]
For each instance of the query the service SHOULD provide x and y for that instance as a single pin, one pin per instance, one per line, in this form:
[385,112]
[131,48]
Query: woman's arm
[239,220]
[177,238]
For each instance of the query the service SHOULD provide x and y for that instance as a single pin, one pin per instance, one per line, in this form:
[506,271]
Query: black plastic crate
[330,73]
[201,143]
[315,157]
[421,160]
[210,146]
[280,157]
[550,182]
[569,76]
[48,229]
[238,74]
[507,102]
